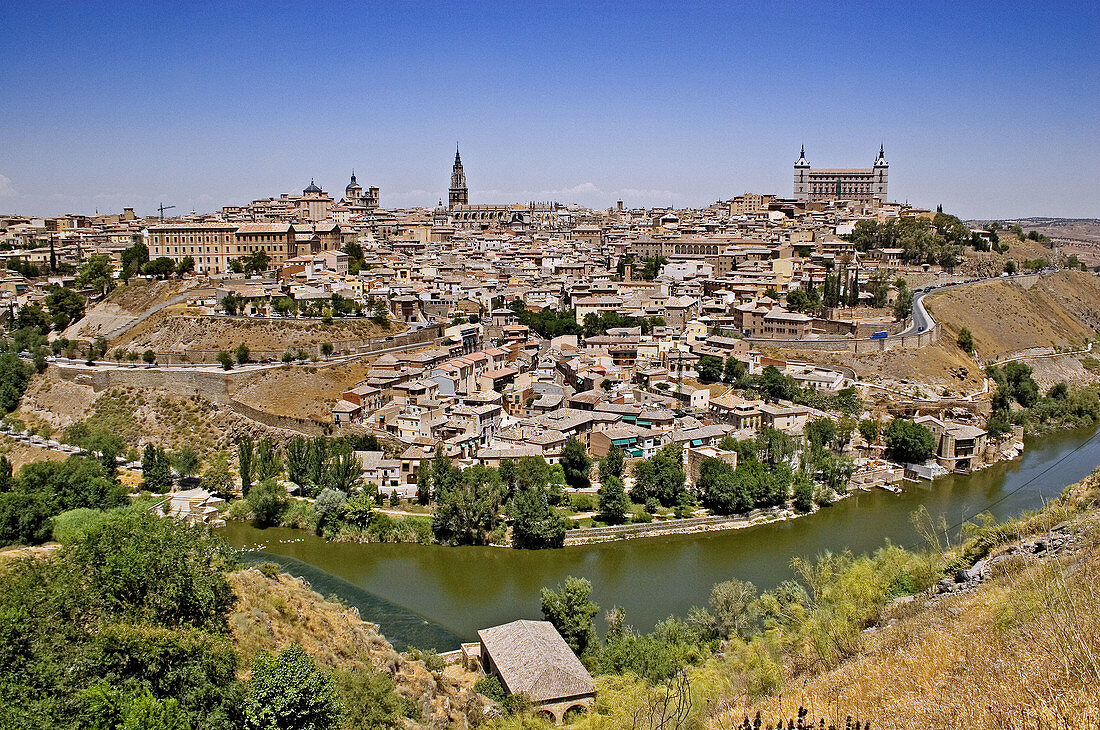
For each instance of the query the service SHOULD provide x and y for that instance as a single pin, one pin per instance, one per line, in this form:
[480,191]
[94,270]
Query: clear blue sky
[992,109]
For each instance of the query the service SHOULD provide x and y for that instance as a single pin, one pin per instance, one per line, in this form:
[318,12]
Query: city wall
[856,345]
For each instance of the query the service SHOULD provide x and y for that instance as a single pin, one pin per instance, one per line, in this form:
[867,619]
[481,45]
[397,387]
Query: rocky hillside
[1059,310]
[274,612]
[174,331]
[1011,642]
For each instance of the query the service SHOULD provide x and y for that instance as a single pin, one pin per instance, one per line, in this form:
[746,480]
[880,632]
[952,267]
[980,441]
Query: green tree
[344,472]
[15,376]
[802,492]
[570,609]
[734,372]
[217,478]
[96,273]
[297,460]
[613,503]
[326,349]
[268,463]
[267,500]
[908,442]
[868,429]
[185,266]
[242,353]
[65,306]
[331,505]
[225,360]
[156,470]
[133,259]
[186,462]
[575,463]
[709,369]
[612,464]
[966,341]
[245,453]
[289,692]
[149,357]
[536,525]
[159,268]
[467,509]
[903,305]
[661,477]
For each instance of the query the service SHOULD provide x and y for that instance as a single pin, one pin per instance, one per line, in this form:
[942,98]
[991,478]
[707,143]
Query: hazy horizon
[990,112]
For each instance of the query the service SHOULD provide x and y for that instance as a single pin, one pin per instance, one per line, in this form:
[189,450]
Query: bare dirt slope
[309,392]
[1060,310]
[173,331]
[139,416]
[929,366]
[125,304]
[19,453]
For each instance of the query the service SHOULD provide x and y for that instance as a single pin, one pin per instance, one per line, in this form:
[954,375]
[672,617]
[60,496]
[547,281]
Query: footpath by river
[429,595]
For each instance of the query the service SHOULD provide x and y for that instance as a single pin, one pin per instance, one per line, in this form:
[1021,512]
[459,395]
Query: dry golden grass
[301,392]
[19,453]
[177,331]
[1061,309]
[1022,651]
[273,613]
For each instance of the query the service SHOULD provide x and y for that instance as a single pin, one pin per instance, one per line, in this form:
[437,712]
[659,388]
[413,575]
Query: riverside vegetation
[829,640]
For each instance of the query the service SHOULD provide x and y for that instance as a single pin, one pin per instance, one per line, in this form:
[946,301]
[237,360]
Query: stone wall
[865,344]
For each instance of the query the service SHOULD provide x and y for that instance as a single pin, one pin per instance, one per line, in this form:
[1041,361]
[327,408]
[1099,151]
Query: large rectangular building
[860,185]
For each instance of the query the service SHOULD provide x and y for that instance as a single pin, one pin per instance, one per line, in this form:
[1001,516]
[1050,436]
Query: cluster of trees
[356,261]
[1017,400]
[39,492]
[127,627]
[908,442]
[773,385]
[547,323]
[651,267]
[254,263]
[764,475]
[472,505]
[135,260]
[598,324]
[937,241]
[711,369]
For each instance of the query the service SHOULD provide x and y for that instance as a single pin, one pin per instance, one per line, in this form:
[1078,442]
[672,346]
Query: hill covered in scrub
[1058,310]
[139,621]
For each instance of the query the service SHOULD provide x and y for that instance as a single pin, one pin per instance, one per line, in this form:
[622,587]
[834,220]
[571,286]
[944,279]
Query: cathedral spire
[458,194]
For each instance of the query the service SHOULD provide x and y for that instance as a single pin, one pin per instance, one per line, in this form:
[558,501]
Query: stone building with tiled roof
[531,657]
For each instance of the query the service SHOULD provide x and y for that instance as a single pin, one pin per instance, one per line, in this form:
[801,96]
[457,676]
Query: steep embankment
[308,392]
[1015,645]
[125,305]
[273,613]
[1057,310]
[173,331]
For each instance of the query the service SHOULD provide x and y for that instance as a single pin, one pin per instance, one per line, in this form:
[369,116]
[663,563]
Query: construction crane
[162,207]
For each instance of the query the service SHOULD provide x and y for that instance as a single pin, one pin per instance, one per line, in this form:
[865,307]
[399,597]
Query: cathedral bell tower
[459,194]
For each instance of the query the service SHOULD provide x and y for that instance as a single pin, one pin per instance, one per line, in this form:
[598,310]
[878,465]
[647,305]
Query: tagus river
[433,596]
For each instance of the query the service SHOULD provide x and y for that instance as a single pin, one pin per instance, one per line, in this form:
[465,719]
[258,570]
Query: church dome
[312,187]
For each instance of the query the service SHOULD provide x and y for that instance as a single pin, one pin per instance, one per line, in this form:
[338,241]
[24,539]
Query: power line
[1026,484]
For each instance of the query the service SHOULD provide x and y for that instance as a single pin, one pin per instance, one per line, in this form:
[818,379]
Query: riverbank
[465,589]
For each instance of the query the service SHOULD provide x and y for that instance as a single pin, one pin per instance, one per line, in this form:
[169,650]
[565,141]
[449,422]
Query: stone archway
[546,715]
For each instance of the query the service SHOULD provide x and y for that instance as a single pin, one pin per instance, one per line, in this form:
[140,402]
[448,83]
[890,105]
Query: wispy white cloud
[7,190]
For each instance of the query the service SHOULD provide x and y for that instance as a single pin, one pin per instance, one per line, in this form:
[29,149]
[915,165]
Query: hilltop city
[526,375]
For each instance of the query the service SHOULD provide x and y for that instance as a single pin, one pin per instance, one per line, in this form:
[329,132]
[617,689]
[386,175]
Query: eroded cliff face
[273,613]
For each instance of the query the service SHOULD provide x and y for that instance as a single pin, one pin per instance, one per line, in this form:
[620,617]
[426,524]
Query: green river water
[433,596]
